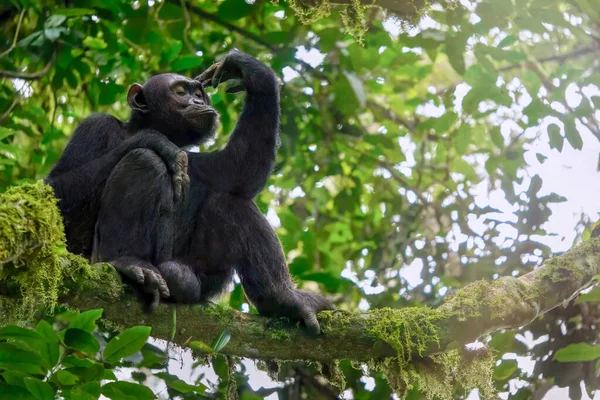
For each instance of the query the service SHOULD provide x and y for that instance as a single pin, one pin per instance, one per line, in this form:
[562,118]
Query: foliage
[63,356]
[394,153]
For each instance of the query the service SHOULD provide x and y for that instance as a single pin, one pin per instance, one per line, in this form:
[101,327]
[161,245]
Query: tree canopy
[424,146]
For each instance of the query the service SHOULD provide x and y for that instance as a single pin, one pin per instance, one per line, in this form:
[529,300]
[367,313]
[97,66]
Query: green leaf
[66,378]
[463,138]
[74,12]
[578,352]
[14,392]
[572,134]
[507,41]
[540,157]
[126,343]
[592,296]
[455,47]
[184,387]
[222,340]
[232,10]
[82,341]
[497,137]
[186,62]
[50,350]
[95,43]
[126,391]
[86,321]
[6,132]
[15,378]
[201,347]
[556,139]
[54,21]
[505,370]
[13,358]
[39,389]
[357,86]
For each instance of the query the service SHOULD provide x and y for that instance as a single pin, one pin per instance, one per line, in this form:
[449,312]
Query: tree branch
[556,58]
[14,43]
[476,310]
[29,76]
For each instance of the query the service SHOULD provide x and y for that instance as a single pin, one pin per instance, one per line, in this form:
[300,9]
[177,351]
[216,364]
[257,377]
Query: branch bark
[476,310]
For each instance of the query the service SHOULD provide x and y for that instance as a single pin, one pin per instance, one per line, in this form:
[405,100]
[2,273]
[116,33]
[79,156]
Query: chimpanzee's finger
[207,75]
[310,320]
[235,86]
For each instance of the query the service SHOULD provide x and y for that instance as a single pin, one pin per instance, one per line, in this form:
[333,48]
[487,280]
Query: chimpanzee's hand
[298,305]
[245,73]
[176,160]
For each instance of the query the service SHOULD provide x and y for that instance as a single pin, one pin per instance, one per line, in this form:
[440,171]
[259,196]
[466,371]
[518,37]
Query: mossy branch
[406,333]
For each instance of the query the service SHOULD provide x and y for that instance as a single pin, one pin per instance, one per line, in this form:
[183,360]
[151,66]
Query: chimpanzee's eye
[198,93]
[180,90]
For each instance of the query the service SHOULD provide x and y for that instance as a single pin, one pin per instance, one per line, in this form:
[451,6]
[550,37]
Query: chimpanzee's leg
[134,230]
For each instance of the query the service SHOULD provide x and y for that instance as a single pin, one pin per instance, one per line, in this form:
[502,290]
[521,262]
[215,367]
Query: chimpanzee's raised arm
[243,166]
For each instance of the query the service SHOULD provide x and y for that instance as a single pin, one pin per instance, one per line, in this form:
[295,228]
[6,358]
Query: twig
[14,43]
[10,109]
[188,24]
[211,17]
[326,390]
[556,58]
[29,76]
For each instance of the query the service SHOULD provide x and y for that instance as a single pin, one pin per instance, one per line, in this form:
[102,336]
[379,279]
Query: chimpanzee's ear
[136,99]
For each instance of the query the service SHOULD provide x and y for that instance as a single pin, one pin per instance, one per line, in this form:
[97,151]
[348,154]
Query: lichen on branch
[411,346]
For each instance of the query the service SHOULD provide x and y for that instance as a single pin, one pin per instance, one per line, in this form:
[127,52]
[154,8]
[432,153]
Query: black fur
[196,244]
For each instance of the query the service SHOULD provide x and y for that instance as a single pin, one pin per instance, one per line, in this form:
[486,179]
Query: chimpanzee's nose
[197,101]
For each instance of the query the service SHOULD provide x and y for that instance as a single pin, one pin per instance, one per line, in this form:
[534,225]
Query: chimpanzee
[197,243]
[101,141]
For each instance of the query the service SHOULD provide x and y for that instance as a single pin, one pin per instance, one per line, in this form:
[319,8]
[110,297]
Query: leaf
[222,340]
[39,389]
[357,86]
[578,352]
[592,296]
[505,370]
[497,137]
[50,350]
[14,392]
[95,43]
[232,10]
[6,132]
[540,157]
[572,134]
[463,138]
[82,341]
[13,358]
[126,391]
[74,12]
[186,62]
[15,378]
[201,347]
[54,21]
[455,47]
[66,378]
[126,343]
[556,139]
[86,321]
[507,41]
[184,387]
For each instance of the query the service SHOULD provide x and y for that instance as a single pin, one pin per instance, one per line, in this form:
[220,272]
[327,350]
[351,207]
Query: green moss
[30,232]
[410,331]
[573,264]
[333,373]
[29,217]
[354,14]
[438,376]
[35,268]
